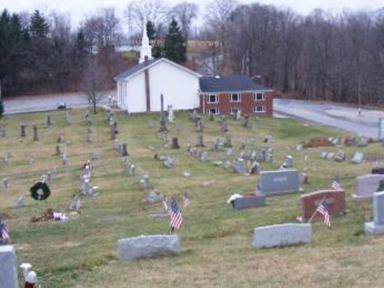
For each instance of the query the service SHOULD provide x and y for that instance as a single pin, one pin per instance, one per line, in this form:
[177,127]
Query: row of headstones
[340,156]
[148,246]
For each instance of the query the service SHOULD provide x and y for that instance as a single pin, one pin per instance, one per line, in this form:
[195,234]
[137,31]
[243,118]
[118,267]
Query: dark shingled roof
[135,69]
[234,83]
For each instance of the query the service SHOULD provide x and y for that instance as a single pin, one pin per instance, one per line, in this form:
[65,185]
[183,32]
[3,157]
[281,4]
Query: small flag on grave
[336,184]
[324,211]
[4,236]
[176,218]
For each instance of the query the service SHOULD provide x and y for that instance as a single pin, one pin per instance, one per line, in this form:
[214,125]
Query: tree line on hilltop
[321,56]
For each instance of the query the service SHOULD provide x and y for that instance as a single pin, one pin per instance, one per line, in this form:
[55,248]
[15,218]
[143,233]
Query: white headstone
[8,272]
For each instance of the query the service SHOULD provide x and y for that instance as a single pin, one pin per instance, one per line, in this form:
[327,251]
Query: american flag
[175,214]
[324,211]
[336,184]
[186,200]
[4,232]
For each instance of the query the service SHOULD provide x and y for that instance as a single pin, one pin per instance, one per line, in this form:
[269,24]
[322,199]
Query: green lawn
[216,240]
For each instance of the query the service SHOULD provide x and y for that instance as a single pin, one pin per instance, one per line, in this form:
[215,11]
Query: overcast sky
[80,8]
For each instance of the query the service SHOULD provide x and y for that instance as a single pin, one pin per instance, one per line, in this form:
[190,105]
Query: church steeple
[146,49]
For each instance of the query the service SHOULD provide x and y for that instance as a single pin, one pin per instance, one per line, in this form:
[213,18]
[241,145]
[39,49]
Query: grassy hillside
[216,240]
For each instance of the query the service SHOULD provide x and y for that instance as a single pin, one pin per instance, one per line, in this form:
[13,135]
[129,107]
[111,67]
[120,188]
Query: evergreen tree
[174,44]
[151,31]
[39,27]
[1,108]
[11,48]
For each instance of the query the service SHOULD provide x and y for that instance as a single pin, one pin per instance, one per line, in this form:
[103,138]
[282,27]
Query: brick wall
[247,104]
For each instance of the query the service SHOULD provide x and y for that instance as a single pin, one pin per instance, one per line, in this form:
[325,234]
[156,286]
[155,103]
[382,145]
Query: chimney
[147,87]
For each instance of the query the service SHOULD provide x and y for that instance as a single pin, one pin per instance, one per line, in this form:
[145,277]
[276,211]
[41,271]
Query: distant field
[216,240]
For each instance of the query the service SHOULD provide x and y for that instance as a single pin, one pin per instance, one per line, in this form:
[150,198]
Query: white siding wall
[135,95]
[180,88]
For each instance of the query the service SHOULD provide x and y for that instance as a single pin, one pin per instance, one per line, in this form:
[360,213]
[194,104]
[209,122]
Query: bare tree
[94,83]
[184,13]
[103,30]
[139,11]
[217,22]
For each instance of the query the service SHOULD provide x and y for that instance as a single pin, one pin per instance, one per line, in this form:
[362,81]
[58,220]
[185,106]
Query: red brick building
[227,94]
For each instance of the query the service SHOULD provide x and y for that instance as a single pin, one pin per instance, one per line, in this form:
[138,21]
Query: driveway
[48,102]
[337,116]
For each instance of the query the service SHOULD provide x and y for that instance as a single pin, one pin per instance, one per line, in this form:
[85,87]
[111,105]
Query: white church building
[139,89]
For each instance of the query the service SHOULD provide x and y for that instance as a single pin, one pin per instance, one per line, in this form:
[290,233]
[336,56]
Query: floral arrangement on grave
[40,191]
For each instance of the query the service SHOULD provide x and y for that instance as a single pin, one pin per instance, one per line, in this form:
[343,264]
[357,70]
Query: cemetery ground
[216,239]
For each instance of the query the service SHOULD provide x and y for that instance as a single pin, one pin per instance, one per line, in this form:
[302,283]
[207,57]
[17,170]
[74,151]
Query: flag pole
[314,213]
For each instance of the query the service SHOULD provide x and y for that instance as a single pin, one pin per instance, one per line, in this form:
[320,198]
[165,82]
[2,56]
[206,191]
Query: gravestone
[7,157]
[249,201]
[278,182]
[228,141]
[288,161]
[6,183]
[376,227]
[164,137]
[357,158]
[144,181]
[223,125]
[131,169]
[3,132]
[148,246]
[87,118]
[303,178]
[340,156]
[239,166]
[20,202]
[217,145]
[200,142]
[199,125]
[367,185]
[335,201]
[282,235]
[153,197]
[124,151]
[8,271]
[175,143]
[75,204]
[229,152]
[246,121]
[362,142]
[169,162]
[203,157]
[22,130]
[171,116]
[35,133]
[67,119]
[112,132]
[58,152]
[48,121]
[64,159]
[211,117]
[377,170]
[163,127]
[254,168]
[59,139]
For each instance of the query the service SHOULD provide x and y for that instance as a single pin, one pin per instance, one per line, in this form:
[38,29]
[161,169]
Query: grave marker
[278,182]
[367,185]
[376,227]
[8,272]
[148,246]
[282,235]
[335,201]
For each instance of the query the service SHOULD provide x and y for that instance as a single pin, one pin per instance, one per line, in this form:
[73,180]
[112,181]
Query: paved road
[341,117]
[47,102]
[344,118]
